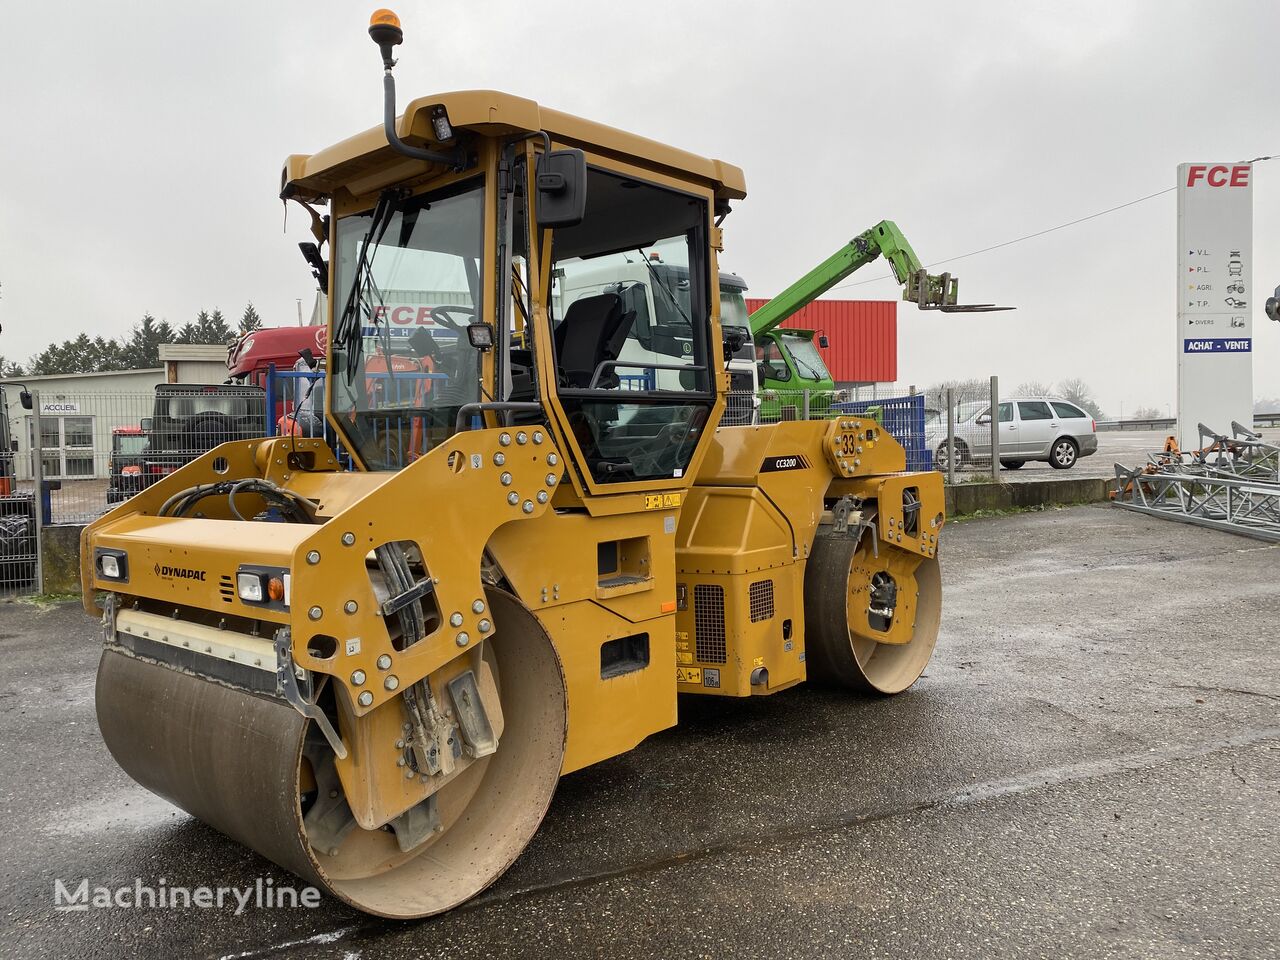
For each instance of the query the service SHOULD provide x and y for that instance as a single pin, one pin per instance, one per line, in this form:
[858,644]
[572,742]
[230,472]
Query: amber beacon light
[384,28]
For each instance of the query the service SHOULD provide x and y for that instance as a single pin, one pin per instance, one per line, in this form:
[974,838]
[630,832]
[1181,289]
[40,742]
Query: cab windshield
[407,284]
[130,443]
[733,306]
[807,360]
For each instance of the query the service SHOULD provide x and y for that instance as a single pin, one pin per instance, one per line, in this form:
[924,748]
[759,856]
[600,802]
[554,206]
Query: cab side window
[768,354]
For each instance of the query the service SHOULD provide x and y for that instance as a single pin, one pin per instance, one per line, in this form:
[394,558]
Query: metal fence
[96,450]
[952,432]
[19,532]
[961,431]
[900,413]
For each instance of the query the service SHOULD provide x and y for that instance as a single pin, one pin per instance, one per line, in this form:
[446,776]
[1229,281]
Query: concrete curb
[968,498]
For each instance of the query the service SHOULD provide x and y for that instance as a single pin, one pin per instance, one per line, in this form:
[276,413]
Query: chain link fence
[901,413]
[929,427]
[97,450]
[19,532]
[960,432]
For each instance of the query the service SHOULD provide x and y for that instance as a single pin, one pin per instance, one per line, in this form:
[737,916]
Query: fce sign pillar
[1215,272]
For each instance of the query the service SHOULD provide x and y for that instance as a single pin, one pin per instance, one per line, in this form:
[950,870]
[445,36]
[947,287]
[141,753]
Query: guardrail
[1260,420]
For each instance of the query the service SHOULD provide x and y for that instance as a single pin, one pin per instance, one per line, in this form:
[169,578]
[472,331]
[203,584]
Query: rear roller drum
[871,623]
[250,767]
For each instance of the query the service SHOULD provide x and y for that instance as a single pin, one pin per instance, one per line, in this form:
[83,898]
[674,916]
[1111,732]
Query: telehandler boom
[375,677]
[790,361]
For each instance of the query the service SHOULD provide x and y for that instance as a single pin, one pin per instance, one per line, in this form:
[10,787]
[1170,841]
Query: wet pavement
[1089,768]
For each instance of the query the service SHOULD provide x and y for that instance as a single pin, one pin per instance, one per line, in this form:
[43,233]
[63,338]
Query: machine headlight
[112,565]
[265,585]
[251,587]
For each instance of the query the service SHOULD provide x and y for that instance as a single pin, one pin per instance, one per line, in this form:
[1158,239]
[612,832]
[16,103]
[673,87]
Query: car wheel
[1064,453]
[1012,464]
[940,456]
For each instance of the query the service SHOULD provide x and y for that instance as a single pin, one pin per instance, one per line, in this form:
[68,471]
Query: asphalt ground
[1089,768]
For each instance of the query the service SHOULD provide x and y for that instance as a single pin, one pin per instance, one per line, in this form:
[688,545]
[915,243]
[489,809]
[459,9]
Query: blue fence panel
[903,417]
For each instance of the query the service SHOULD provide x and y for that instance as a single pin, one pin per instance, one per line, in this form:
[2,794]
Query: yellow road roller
[370,649]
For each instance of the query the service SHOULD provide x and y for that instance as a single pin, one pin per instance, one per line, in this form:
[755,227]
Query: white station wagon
[1043,429]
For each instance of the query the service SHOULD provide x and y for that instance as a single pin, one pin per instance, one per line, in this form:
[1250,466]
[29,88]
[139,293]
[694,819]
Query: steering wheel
[441,315]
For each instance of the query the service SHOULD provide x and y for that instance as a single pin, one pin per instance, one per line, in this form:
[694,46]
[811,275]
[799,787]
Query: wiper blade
[348,334]
[813,374]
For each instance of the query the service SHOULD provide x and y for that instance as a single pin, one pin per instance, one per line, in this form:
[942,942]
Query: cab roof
[366,162]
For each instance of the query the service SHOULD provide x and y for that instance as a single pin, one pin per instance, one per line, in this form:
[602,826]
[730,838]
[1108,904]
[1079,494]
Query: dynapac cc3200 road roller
[370,656]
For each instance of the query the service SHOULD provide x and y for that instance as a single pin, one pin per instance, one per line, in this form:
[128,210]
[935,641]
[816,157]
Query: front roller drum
[848,639]
[238,762]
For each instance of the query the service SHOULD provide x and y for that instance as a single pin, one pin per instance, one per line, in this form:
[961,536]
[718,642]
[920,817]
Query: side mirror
[983,420]
[25,399]
[762,371]
[1273,306]
[13,446]
[733,338]
[145,424]
[823,342]
[562,188]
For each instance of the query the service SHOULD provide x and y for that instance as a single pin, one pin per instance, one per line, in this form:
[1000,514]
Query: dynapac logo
[166,572]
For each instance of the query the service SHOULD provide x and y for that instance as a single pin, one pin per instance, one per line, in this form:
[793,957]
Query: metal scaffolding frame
[1231,483]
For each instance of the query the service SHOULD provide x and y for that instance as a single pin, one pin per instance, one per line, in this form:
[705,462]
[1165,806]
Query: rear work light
[159,468]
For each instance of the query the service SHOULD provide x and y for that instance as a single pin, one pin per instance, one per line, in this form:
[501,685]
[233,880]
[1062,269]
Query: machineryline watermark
[81,896]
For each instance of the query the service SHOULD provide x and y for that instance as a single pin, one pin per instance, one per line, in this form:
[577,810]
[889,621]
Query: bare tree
[1081,394]
[935,395]
[1034,388]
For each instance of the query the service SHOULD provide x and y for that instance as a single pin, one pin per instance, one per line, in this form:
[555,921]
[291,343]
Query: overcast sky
[143,144]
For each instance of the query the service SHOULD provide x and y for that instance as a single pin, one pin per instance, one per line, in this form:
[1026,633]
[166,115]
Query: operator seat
[592,331]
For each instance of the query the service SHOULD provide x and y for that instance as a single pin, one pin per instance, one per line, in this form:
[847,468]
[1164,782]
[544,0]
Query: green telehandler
[789,361]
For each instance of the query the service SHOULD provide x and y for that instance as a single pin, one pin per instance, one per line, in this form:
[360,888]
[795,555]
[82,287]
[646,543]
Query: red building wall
[863,335]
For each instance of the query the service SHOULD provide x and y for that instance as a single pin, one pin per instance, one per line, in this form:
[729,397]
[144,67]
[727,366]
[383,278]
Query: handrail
[468,410]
